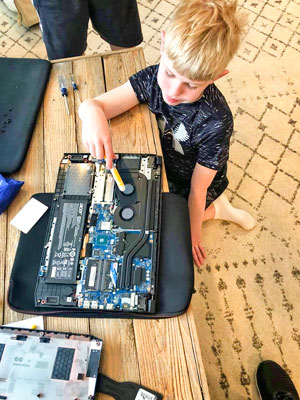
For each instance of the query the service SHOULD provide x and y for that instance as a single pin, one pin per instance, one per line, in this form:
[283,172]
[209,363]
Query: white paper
[29,215]
[144,395]
[36,322]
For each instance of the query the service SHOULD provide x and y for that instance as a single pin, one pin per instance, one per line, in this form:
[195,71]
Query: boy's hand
[199,253]
[99,146]
[201,179]
[94,114]
[95,132]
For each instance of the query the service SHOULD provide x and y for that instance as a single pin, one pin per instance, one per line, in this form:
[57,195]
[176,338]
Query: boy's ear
[162,41]
[225,72]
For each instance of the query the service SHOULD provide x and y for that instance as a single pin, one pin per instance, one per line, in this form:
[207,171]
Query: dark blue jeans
[64,24]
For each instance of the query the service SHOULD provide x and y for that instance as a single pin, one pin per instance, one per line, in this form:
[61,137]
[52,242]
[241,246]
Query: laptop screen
[101,245]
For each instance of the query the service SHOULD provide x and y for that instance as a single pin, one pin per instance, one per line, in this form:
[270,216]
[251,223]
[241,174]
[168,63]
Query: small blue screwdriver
[64,92]
[75,87]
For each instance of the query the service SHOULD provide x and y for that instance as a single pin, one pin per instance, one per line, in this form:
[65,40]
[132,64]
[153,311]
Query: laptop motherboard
[101,245]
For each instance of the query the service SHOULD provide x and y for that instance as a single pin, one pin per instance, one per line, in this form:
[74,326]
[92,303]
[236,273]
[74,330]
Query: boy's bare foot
[225,211]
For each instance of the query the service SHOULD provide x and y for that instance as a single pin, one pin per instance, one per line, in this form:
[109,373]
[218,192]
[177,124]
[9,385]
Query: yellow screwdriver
[117,177]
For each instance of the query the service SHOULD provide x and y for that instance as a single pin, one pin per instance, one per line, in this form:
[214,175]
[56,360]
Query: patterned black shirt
[190,132]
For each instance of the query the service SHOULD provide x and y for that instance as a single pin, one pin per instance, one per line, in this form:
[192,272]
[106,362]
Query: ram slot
[99,184]
[109,190]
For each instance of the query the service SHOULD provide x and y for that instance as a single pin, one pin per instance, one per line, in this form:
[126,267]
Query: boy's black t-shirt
[190,132]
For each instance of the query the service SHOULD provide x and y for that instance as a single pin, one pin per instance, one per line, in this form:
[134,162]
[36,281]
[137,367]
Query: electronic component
[101,244]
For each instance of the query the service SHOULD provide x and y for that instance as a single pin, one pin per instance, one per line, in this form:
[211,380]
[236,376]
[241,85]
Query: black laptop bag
[175,276]
[23,82]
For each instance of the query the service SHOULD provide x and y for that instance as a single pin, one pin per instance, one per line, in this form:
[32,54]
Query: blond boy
[194,119]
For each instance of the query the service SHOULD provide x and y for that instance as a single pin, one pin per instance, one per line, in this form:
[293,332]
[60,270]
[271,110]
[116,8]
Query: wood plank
[117,334]
[60,138]
[197,352]
[96,55]
[118,338]
[116,347]
[68,324]
[131,131]
[119,358]
[90,80]
[162,358]
[59,127]
[192,352]
[32,173]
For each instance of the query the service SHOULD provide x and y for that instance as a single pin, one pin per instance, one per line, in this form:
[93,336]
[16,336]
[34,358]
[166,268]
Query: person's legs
[117,22]
[64,26]
[221,208]
[273,383]
[218,206]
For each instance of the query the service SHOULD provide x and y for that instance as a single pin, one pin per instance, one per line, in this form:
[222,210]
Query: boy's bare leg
[222,209]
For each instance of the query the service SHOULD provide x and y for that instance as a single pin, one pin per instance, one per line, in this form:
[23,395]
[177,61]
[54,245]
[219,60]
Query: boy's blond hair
[203,36]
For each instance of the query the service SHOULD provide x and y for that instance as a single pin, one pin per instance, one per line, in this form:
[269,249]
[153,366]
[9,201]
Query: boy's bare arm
[201,179]
[94,114]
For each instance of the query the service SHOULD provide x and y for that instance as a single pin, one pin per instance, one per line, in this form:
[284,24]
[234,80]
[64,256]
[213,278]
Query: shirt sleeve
[142,83]
[214,140]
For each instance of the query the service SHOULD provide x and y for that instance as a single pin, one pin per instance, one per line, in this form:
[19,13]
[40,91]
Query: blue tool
[75,87]
[64,92]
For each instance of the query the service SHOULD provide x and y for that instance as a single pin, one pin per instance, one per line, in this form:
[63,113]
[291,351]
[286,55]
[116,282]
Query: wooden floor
[161,354]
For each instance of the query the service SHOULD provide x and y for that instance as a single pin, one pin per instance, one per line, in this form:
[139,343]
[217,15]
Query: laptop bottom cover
[48,365]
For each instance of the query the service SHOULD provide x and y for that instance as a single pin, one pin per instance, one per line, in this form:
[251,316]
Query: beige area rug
[247,304]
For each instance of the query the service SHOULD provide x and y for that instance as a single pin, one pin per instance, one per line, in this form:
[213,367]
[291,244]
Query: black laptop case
[175,276]
[23,82]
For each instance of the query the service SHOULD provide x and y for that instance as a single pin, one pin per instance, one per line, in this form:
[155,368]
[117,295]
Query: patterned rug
[246,303]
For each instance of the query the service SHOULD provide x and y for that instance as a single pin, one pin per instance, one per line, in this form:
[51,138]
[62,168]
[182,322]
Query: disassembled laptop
[101,245]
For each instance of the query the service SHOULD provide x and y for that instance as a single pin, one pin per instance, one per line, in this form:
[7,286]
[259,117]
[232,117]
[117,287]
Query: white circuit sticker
[92,276]
[144,395]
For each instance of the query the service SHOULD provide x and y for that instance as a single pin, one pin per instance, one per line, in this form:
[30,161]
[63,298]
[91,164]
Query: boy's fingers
[95,150]
[200,253]
[109,154]
[108,163]
[197,255]
[203,252]
[99,152]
